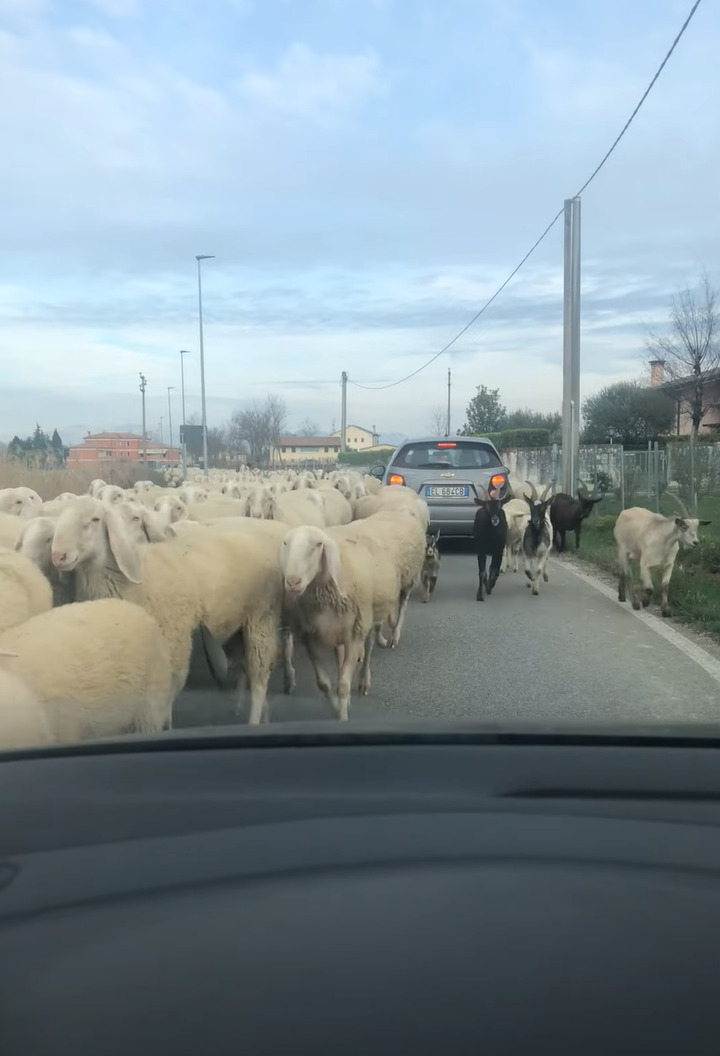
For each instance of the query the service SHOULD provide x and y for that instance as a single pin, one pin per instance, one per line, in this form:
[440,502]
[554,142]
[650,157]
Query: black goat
[431,564]
[537,538]
[567,514]
[490,535]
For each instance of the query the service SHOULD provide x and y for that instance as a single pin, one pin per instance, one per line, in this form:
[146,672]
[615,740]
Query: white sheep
[94,487]
[340,586]
[296,508]
[35,542]
[111,495]
[337,509]
[224,582]
[97,669]
[20,502]
[10,529]
[170,509]
[24,590]
[23,722]
[144,525]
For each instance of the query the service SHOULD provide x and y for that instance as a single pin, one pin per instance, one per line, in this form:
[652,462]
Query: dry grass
[49,483]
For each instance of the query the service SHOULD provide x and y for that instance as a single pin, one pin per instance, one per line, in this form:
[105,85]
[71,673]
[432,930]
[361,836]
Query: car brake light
[498,480]
[445,444]
[395,478]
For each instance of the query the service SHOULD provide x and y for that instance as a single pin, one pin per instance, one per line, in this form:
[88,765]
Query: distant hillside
[392,438]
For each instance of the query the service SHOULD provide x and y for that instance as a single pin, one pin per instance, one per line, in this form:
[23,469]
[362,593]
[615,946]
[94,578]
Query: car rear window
[438,455]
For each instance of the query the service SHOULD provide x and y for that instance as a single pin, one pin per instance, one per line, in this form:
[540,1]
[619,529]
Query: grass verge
[695,586]
[49,483]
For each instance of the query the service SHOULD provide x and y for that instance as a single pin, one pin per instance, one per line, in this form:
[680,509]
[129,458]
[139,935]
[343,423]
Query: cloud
[366,182]
[316,86]
[116,8]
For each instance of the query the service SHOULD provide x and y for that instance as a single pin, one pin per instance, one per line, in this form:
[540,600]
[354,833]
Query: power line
[552,223]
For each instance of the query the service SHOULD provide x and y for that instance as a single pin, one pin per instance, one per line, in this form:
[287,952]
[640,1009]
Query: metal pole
[571,344]
[183,352]
[622,476]
[170,388]
[343,413]
[143,384]
[199,258]
[693,492]
[161,431]
[447,433]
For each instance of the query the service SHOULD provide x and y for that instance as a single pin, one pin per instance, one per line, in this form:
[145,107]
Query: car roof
[447,439]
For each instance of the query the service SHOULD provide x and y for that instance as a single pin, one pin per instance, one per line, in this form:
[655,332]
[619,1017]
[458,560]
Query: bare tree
[438,422]
[308,427]
[691,351]
[258,429]
[276,410]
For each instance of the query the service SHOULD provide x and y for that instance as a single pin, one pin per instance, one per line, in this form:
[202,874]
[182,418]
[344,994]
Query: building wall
[112,448]
[357,438]
[291,454]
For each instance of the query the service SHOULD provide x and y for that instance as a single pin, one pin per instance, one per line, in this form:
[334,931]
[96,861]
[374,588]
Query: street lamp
[170,389]
[199,257]
[143,386]
[161,432]
[183,352]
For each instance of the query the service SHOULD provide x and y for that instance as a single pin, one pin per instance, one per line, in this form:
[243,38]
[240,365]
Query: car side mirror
[378,471]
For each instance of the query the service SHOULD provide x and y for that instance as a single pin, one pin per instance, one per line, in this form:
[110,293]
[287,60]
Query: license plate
[446,491]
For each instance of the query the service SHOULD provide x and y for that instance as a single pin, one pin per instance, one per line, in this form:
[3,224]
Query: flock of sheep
[105,595]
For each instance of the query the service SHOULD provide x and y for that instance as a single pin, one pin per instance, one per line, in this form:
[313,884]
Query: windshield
[353,368]
[438,455]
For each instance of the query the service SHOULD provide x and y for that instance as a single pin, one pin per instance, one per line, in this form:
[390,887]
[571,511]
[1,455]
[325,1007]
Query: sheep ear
[125,554]
[331,558]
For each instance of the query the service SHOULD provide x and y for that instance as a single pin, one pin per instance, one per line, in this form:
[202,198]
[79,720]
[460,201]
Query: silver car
[442,472]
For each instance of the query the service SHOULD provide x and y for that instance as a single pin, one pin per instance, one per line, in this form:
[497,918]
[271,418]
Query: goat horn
[544,495]
[582,489]
[534,490]
[678,500]
[7,652]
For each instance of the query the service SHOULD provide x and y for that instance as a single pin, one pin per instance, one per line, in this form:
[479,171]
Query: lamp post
[170,389]
[183,352]
[199,257]
[143,386]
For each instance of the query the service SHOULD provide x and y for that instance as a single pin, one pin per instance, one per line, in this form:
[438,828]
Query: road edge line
[691,650]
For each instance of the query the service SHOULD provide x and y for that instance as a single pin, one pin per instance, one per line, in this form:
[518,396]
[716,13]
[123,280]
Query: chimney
[657,372]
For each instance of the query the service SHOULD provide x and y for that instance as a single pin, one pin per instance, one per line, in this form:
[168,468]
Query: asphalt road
[572,654]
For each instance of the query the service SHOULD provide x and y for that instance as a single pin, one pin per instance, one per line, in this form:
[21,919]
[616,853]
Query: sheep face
[89,532]
[308,554]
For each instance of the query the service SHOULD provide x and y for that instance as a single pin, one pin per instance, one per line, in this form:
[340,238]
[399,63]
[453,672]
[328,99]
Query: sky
[366,173]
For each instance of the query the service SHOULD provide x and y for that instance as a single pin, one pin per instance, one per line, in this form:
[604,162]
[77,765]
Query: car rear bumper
[452,520]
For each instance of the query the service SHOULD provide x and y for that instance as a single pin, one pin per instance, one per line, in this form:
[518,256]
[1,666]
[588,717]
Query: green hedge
[509,438]
[364,458]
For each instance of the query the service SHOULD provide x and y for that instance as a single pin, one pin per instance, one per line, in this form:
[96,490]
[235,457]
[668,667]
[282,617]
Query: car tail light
[498,480]
[395,478]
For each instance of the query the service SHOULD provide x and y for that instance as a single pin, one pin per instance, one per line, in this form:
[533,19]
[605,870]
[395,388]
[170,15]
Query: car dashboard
[395,891]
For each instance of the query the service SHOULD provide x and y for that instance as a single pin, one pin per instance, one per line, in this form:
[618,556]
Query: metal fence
[632,478]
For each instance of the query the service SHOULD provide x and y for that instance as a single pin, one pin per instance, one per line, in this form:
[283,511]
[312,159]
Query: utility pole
[161,432]
[343,413]
[571,347]
[143,385]
[170,389]
[183,352]
[449,393]
[199,258]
